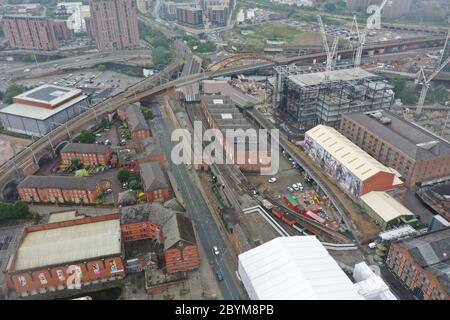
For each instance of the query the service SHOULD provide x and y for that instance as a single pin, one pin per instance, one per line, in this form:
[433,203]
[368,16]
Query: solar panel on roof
[47,93]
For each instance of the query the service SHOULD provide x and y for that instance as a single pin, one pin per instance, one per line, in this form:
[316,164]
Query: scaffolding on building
[310,98]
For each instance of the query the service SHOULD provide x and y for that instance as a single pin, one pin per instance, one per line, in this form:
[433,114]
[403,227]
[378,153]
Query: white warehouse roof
[355,159]
[385,206]
[294,268]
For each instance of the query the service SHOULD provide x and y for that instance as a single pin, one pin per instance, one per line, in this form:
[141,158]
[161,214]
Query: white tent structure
[294,268]
[370,285]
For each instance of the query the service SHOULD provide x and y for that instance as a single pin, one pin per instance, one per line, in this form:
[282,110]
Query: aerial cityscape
[225,150]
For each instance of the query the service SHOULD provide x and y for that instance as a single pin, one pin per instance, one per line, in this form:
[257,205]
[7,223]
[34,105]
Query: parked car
[272,180]
[294,186]
[290,189]
[109,191]
[215,250]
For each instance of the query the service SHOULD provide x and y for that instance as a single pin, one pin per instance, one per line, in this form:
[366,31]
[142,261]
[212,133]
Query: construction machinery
[425,82]
[361,42]
[330,52]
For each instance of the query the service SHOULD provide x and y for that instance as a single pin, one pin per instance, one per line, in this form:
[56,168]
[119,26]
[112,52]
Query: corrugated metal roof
[295,268]
[68,244]
[385,206]
[356,160]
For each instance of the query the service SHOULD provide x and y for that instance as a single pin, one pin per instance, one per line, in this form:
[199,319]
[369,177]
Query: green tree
[123,174]
[101,68]
[161,57]
[81,173]
[12,91]
[105,123]
[134,184]
[13,210]
[74,163]
[86,136]
[148,114]
[330,7]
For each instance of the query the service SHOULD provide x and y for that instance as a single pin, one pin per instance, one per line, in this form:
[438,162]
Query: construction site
[323,97]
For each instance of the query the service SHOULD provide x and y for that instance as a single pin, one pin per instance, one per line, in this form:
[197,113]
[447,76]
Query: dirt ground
[258,228]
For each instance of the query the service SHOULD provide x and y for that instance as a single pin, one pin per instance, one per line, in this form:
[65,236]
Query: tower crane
[426,84]
[329,52]
[361,42]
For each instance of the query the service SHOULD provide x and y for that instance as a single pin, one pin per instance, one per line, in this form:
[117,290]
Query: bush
[13,210]
[123,174]
[12,91]
[81,173]
[86,136]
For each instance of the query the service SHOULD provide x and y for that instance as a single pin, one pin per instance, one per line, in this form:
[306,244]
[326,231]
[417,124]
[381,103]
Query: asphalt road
[207,230]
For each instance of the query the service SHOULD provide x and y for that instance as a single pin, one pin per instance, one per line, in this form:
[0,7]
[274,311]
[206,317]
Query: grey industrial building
[311,98]
[38,111]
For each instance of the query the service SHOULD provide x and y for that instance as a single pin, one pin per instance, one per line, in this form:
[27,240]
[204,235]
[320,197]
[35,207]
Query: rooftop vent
[385,120]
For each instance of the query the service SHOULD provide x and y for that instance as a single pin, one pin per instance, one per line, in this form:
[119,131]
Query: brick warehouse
[88,154]
[416,153]
[221,114]
[60,189]
[422,264]
[45,253]
[173,230]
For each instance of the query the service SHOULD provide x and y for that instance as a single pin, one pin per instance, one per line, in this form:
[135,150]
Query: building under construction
[313,98]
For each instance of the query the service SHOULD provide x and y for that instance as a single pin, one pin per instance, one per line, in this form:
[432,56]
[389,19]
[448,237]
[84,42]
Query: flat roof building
[415,152]
[41,262]
[294,268]
[38,111]
[355,171]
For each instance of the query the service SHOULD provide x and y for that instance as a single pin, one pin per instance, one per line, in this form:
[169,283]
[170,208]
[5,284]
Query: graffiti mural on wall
[344,178]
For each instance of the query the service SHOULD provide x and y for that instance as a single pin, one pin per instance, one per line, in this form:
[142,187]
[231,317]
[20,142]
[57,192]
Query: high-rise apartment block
[114,24]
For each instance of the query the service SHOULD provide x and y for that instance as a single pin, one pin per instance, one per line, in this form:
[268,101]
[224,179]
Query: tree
[74,163]
[161,57]
[13,210]
[148,114]
[104,123]
[330,7]
[81,173]
[123,174]
[12,91]
[86,136]
[134,184]
[101,68]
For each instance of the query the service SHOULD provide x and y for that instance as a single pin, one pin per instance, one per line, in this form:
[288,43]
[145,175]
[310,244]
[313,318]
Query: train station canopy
[294,268]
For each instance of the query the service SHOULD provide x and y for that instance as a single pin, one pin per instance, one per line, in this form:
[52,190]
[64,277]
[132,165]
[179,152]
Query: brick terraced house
[154,181]
[422,264]
[88,154]
[60,189]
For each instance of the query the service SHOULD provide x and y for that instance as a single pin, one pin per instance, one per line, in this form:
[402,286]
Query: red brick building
[422,264]
[60,189]
[34,33]
[135,119]
[114,24]
[154,182]
[173,230]
[88,154]
[417,154]
[222,115]
[50,256]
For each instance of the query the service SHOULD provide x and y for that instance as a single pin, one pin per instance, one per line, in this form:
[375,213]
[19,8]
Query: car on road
[219,275]
[290,189]
[216,250]
[272,180]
